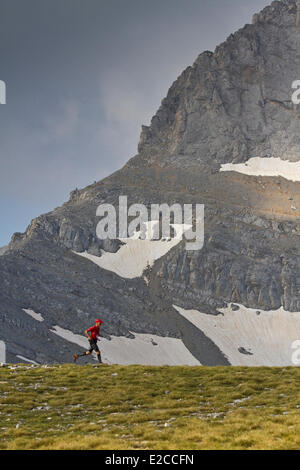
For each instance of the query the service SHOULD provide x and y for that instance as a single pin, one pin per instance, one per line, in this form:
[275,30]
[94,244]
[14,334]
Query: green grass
[143,407]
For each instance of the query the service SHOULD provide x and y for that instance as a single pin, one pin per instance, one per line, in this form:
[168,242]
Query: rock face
[298,14]
[230,106]
[3,250]
[235,103]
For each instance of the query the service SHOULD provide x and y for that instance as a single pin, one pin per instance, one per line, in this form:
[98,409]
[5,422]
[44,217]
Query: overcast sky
[82,76]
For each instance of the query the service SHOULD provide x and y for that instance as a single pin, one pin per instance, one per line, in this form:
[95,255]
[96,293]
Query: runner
[92,333]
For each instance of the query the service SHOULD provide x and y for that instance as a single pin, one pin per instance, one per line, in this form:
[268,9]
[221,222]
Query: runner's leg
[99,356]
[87,353]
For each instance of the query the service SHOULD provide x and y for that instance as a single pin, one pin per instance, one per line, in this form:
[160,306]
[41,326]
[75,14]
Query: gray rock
[235,307]
[3,250]
[244,351]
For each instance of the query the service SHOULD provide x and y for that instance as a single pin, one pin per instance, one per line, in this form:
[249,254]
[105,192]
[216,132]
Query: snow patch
[70,336]
[258,166]
[132,258]
[143,349]
[27,360]
[36,316]
[268,336]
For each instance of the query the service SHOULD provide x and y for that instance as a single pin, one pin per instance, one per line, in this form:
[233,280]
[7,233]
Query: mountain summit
[235,103]
[227,136]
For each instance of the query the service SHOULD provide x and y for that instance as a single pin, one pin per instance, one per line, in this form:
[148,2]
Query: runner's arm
[87,333]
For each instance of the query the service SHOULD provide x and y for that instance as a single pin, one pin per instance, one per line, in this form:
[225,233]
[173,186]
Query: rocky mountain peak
[235,103]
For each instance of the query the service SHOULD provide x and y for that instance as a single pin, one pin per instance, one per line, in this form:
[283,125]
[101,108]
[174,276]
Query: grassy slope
[142,407]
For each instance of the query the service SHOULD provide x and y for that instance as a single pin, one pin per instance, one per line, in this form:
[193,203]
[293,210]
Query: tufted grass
[143,407]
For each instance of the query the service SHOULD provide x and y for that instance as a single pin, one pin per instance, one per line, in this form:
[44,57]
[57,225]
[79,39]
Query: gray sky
[82,76]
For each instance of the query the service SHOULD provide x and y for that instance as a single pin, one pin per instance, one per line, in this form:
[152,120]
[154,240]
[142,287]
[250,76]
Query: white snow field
[140,350]
[27,360]
[258,166]
[132,258]
[268,336]
[36,316]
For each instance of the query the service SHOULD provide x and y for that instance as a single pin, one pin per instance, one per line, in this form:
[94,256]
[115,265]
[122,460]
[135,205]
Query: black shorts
[93,345]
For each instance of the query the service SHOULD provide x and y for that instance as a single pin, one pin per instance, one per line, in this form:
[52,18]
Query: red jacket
[94,331]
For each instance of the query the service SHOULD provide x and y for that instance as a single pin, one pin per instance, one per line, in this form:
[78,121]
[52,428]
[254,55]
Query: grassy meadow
[143,407]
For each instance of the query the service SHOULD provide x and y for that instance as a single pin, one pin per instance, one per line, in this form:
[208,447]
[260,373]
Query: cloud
[40,159]
[125,107]
[64,123]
